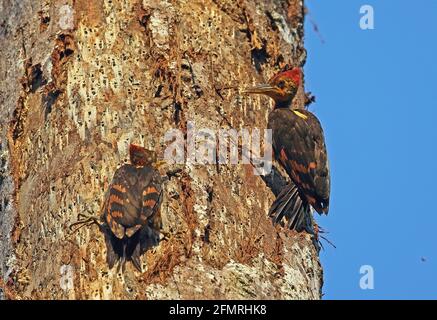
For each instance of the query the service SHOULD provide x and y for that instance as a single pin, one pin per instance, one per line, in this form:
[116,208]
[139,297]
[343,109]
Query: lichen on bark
[129,71]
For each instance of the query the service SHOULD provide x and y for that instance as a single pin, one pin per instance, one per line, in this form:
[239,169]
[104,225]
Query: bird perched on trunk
[299,146]
[130,218]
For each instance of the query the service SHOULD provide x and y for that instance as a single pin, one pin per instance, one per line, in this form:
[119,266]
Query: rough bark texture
[130,70]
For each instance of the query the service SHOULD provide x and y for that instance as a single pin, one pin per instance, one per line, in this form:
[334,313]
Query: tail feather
[113,246]
[136,258]
[119,251]
[149,237]
[291,205]
[280,206]
[296,207]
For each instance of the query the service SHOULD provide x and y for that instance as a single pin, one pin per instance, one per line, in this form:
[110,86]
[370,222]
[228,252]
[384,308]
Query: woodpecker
[299,147]
[130,217]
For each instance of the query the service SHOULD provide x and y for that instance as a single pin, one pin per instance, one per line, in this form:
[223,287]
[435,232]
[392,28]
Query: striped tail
[290,204]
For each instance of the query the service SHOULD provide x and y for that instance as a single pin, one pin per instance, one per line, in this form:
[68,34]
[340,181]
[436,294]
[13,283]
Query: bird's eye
[281,84]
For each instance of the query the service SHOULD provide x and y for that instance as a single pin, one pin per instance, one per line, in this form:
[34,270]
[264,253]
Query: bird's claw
[83,220]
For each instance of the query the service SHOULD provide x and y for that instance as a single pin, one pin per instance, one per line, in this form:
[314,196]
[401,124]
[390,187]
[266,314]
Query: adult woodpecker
[130,218]
[299,146]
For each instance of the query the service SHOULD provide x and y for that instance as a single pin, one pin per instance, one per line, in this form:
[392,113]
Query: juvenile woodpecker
[130,217]
[299,147]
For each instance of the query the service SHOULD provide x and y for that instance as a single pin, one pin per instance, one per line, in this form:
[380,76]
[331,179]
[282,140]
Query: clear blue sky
[377,100]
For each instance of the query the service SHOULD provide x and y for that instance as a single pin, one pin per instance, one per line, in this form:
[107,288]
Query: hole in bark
[68,52]
[198,90]
[17,123]
[178,109]
[44,21]
[205,237]
[210,192]
[260,56]
[280,61]
[48,101]
[36,79]
[144,20]
[272,21]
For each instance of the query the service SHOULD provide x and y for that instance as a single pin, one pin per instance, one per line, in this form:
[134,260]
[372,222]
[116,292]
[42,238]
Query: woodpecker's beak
[262,89]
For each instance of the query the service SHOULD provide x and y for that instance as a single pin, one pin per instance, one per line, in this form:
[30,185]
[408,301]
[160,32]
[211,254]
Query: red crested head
[282,87]
[294,75]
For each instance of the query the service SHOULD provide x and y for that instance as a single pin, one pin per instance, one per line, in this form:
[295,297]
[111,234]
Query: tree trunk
[75,92]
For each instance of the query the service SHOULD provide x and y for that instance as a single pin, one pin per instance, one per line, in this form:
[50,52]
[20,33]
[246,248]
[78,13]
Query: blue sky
[376,96]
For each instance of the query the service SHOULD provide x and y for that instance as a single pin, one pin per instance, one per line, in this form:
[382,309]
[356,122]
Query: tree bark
[73,97]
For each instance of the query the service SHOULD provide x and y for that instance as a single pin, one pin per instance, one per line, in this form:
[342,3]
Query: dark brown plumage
[130,215]
[299,146]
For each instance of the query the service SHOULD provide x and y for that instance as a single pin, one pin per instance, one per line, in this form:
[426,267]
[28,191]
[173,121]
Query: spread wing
[133,196]
[299,146]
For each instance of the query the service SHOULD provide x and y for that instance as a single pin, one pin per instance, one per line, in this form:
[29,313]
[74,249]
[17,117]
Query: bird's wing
[299,145]
[151,196]
[123,203]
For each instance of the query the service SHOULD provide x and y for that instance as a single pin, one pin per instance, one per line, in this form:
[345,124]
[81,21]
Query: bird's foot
[318,236]
[84,220]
